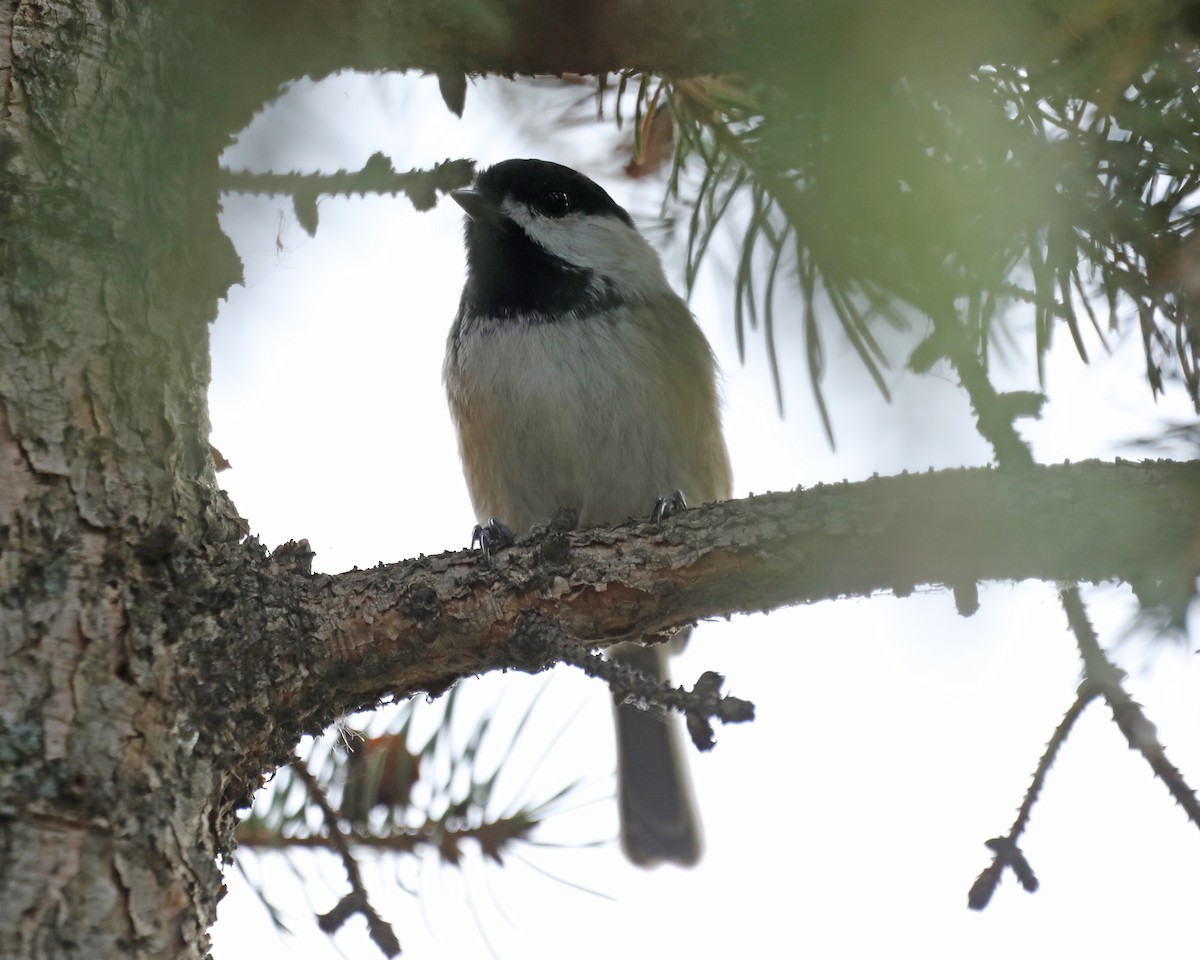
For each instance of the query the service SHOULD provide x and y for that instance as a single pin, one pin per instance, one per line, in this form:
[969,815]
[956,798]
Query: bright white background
[893,737]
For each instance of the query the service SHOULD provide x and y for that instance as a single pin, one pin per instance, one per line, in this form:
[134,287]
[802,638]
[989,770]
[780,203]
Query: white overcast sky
[893,737]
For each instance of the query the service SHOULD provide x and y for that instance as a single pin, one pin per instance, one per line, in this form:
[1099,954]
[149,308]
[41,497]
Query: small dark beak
[477,206]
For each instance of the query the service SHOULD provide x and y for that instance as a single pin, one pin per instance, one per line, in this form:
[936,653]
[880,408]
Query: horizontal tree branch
[266,43]
[493,36]
[421,624]
[678,37]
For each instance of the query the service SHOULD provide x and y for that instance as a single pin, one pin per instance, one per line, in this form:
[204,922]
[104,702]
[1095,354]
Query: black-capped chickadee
[578,378]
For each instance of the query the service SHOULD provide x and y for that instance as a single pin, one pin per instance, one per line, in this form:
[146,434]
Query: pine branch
[1130,718]
[377,176]
[1007,851]
[420,624]
[356,901]
[539,643]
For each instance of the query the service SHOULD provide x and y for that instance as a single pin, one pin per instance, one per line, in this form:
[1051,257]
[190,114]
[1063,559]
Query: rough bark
[111,262]
[432,620]
[153,665]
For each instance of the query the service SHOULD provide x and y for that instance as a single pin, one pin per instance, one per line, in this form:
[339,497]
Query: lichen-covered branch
[420,624]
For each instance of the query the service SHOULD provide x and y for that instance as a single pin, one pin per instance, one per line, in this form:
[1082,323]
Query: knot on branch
[537,643]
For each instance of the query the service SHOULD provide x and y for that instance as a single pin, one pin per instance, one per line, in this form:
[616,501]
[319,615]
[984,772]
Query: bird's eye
[556,204]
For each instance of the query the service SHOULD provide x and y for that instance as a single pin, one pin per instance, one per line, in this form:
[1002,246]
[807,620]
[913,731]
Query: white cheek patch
[606,245]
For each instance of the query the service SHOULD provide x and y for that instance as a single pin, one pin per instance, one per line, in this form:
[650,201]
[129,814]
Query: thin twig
[1007,852]
[410,840]
[1101,677]
[376,177]
[356,901]
[1087,693]
[1140,733]
[541,642]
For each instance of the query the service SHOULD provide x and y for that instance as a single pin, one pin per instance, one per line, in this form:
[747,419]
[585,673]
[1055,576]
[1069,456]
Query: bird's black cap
[549,188]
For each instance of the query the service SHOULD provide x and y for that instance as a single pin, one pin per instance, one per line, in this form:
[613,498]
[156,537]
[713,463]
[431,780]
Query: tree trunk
[112,788]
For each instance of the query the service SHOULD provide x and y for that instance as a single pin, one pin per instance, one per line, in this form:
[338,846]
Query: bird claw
[491,536]
[665,507]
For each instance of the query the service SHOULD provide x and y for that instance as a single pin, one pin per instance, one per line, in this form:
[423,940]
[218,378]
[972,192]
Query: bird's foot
[667,506]
[491,536]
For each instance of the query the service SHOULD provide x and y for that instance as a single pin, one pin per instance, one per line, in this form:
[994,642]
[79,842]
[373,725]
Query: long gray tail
[659,823]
